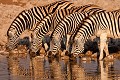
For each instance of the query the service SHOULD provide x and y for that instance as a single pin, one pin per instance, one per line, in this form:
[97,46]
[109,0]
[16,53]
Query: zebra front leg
[108,57]
[49,53]
[68,38]
[66,50]
[103,39]
[106,49]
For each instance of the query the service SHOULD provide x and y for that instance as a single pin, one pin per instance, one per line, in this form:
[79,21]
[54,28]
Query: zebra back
[60,14]
[39,12]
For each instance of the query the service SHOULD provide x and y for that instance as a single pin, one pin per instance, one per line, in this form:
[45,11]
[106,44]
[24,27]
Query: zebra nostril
[32,54]
[75,55]
[49,54]
[7,48]
[38,53]
[67,53]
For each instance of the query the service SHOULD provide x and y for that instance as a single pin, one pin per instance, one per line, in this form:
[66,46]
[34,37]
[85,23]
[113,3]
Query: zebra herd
[66,25]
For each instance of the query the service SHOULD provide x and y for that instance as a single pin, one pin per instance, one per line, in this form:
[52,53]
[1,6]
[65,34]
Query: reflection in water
[104,74]
[20,66]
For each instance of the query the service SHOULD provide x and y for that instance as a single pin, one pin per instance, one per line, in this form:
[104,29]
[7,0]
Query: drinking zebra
[67,27]
[28,19]
[50,22]
[103,24]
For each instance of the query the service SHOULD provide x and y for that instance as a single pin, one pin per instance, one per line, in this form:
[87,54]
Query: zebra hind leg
[103,39]
[108,57]
[106,49]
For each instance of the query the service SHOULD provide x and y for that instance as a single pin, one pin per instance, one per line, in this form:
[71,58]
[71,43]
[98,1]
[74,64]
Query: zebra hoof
[65,58]
[42,51]
[81,55]
[67,53]
[88,53]
[64,53]
[75,55]
[37,53]
[86,59]
[109,58]
[32,54]
[49,54]
[72,58]
[95,55]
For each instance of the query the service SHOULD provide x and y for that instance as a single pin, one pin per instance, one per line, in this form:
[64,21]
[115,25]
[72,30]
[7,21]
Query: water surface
[21,67]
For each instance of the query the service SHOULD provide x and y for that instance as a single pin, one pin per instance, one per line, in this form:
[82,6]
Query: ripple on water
[21,67]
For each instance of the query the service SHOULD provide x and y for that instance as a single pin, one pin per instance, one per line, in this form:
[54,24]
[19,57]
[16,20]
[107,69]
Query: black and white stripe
[40,32]
[50,22]
[103,25]
[68,26]
[60,14]
[28,19]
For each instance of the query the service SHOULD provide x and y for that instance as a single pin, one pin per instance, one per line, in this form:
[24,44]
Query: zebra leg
[103,39]
[46,46]
[66,46]
[68,38]
[108,57]
[106,49]
[49,53]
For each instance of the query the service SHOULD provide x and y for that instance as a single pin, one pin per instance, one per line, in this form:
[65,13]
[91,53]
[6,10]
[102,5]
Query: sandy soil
[9,9]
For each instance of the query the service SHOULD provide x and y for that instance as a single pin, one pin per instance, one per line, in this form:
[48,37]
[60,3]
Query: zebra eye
[76,46]
[10,39]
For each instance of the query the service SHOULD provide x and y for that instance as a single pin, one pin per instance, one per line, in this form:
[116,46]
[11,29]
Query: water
[21,67]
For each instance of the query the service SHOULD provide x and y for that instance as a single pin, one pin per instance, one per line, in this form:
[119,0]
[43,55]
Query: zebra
[66,27]
[103,24]
[28,19]
[39,33]
[51,21]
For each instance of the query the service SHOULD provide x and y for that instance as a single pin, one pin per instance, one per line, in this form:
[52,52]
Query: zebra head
[77,46]
[23,21]
[36,42]
[12,38]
